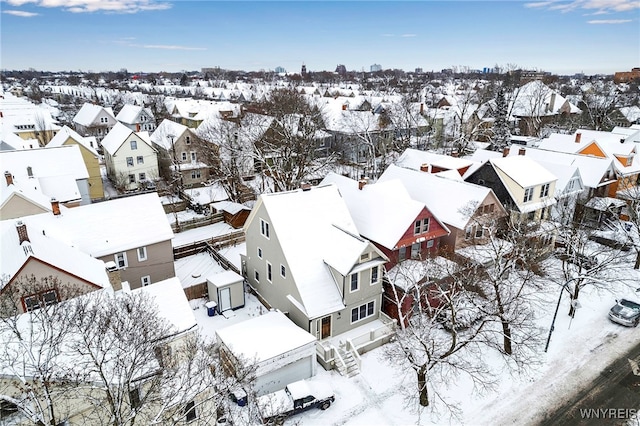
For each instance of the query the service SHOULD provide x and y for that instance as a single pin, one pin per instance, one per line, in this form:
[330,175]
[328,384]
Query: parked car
[625,312]
[295,398]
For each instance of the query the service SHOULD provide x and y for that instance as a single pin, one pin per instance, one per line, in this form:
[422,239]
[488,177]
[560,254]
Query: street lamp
[564,287]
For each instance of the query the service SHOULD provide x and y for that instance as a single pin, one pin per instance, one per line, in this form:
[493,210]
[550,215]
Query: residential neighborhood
[176,249]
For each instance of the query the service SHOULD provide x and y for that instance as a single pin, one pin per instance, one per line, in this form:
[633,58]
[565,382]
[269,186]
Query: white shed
[226,289]
[283,352]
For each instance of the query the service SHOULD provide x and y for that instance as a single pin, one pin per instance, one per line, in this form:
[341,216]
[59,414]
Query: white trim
[143,257]
[124,260]
[269,272]
[357,275]
[145,280]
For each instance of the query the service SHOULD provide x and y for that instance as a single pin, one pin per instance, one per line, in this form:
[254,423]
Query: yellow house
[90,156]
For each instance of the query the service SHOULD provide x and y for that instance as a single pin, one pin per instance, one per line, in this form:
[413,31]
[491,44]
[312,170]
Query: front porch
[343,351]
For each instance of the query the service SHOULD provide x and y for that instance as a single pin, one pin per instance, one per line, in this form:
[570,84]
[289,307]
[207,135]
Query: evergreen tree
[502,136]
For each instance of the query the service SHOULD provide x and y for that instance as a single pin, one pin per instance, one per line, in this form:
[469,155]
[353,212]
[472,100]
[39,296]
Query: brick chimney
[344,107]
[578,137]
[362,182]
[9,177]
[522,151]
[55,207]
[421,108]
[23,236]
[505,152]
[424,167]
[305,186]
[114,275]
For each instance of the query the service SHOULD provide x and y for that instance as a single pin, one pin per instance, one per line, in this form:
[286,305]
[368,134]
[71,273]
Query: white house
[137,118]
[130,157]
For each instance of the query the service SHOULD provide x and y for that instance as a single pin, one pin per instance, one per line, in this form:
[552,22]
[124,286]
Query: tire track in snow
[371,399]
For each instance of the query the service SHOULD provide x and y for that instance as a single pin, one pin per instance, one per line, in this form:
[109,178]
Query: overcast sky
[590,36]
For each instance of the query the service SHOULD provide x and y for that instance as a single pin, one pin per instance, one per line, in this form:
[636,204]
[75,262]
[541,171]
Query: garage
[283,352]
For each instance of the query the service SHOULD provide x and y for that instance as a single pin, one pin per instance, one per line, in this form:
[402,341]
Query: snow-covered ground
[579,349]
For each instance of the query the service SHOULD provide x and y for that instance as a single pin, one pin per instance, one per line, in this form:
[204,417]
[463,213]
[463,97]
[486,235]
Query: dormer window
[134,144]
[528,194]
[544,190]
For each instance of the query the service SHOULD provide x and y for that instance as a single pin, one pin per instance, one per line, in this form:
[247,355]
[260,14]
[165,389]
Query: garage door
[278,379]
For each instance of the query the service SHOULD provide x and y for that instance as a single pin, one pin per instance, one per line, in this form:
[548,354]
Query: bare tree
[442,339]
[599,101]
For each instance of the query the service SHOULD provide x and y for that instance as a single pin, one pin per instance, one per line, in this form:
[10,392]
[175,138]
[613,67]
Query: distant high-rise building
[375,67]
[280,70]
[303,71]
[419,71]
[341,69]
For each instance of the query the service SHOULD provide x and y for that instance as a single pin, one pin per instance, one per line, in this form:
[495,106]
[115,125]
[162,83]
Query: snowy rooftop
[432,189]
[116,137]
[172,303]
[88,113]
[110,226]
[264,337]
[195,269]
[414,159]
[525,171]
[65,133]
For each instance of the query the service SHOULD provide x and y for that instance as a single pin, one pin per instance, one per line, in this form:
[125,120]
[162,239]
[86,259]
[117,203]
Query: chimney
[421,108]
[622,140]
[137,127]
[424,167]
[455,154]
[21,227]
[9,177]
[578,136]
[505,151]
[114,275]
[552,101]
[55,207]
[362,182]
[522,151]
[344,107]
[305,186]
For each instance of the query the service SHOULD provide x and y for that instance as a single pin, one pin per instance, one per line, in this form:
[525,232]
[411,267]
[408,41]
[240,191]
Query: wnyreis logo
[609,413]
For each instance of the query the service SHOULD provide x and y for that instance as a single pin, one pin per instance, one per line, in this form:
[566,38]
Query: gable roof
[329,237]
[111,226]
[414,159]
[118,135]
[448,199]
[161,136]
[66,132]
[88,114]
[47,249]
[130,114]
[382,212]
[523,170]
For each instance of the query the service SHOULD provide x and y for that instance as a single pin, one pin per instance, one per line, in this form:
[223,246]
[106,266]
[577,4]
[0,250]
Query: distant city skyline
[580,36]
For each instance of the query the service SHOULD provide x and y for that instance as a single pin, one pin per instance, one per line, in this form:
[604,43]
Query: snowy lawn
[578,351]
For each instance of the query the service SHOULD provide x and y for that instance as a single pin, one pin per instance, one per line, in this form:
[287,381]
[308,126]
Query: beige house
[304,257]
[88,149]
[94,120]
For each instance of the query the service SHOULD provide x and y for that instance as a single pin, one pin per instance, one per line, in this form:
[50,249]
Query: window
[31,303]
[184,156]
[145,281]
[364,257]
[416,227]
[362,312]
[259,252]
[190,411]
[193,156]
[415,250]
[425,224]
[50,297]
[374,275]
[283,271]
[544,191]
[132,178]
[256,274]
[129,161]
[195,174]
[479,231]
[264,228]
[142,176]
[429,243]
[134,145]
[187,140]
[402,253]
[134,398]
[528,194]
[468,232]
[142,254]
[269,276]
[140,159]
[354,282]
[121,260]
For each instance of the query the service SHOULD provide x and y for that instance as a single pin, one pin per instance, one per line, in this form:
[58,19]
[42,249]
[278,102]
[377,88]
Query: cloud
[409,35]
[609,21]
[109,6]
[20,13]
[602,6]
[168,47]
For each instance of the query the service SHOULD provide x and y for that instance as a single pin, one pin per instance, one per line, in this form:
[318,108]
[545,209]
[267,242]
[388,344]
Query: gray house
[305,258]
